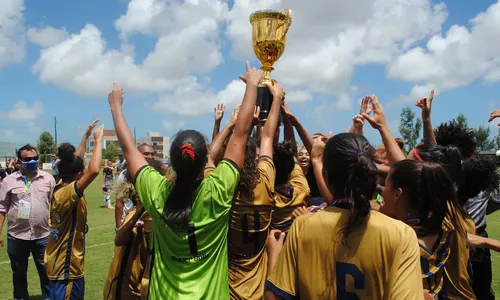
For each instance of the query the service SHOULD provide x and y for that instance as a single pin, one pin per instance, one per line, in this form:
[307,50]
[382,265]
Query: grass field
[100,249]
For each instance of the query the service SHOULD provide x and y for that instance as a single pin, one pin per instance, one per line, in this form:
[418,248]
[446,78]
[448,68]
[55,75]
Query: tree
[46,145]
[410,128]
[484,143]
[462,121]
[111,152]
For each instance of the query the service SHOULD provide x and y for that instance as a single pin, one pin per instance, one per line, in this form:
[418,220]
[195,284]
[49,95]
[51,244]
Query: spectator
[55,170]
[25,198]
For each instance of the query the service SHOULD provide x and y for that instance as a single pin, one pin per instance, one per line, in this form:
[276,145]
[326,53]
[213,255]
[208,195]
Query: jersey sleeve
[406,274]
[267,172]
[298,180]
[224,182]
[152,188]
[65,198]
[283,280]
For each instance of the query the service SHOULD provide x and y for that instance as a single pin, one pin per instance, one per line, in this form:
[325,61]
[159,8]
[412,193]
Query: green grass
[100,249]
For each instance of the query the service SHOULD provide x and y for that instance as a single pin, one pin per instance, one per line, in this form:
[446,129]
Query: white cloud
[82,63]
[7,133]
[12,39]
[23,112]
[456,58]
[326,41]
[47,36]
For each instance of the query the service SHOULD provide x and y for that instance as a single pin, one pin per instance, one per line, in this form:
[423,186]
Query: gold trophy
[269,29]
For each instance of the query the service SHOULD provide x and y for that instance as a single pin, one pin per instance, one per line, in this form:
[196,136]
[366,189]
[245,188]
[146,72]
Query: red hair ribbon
[187,149]
[417,156]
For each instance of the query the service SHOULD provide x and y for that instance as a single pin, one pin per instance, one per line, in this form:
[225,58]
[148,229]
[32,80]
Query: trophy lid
[272,14]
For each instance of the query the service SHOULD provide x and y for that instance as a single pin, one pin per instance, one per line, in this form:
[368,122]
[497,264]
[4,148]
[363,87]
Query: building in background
[160,144]
[7,150]
[109,137]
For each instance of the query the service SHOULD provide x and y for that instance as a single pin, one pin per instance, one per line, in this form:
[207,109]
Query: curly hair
[452,133]
[250,175]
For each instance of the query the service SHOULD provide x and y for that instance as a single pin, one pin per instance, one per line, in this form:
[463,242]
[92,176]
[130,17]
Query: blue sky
[177,59]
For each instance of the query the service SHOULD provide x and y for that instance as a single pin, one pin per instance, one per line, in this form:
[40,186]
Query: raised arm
[358,121]
[288,129]
[83,143]
[378,121]
[426,105]
[267,141]
[306,138]
[317,162]
[218,114]
[95,162]
[134,158]
[220,139]
[235,150]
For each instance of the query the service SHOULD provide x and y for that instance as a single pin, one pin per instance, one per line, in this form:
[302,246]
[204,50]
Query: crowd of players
[250,217]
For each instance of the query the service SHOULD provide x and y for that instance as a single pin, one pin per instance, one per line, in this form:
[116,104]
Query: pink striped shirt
[14,189]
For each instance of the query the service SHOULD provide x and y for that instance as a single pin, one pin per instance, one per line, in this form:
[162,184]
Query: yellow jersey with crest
[433,261]
[458,271]
[65,252]
[287,202]
[249,223]
[381,259]
[130,262]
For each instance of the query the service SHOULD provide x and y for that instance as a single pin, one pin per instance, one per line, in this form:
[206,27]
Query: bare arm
[378,121]
[95,163]
[483,242]
[2,219]
[219,140]
[219,114]
[134,158]
[118,213]
[267,142]
[426,105]
[235,150]
[125,234]
[317,161]
[83,143]
[304,135]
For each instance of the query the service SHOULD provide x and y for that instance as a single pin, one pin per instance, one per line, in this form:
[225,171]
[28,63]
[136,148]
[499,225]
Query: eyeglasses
[28,159]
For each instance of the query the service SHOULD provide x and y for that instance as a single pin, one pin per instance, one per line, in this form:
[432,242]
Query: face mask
[30,165]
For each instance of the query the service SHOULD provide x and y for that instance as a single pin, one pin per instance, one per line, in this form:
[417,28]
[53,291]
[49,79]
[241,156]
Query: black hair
[69,165]
[452,133]
[188,156]
[351,174]
[478,175]
[250,175]
[26,147]
[283,161]
[431,195]
[449,157]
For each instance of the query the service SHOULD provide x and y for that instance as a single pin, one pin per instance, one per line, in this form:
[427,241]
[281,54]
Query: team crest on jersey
[54,233]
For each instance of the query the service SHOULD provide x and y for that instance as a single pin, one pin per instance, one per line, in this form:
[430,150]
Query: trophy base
[264,101]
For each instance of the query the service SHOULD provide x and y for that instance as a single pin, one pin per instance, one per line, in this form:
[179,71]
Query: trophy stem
[266,74]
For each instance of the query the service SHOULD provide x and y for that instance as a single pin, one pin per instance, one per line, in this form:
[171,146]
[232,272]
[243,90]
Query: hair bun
[66,152]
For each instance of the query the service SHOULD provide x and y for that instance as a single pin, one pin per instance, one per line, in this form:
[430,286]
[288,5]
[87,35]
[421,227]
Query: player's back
[380,261]
[249,223]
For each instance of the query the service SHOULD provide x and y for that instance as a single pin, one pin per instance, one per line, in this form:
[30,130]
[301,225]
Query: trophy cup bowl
[269,29]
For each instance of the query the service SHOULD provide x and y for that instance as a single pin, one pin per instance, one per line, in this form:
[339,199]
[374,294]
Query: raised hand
[115,97]
[299,211]
[99,133]
[285,110]
[273,244]
[426,105]
[319,144]
[495,114]
[91,127]
[366,106]
[219,112]
[252,76]
[276,90]
[358,121]
[256,121]
[234,115]
[378,120]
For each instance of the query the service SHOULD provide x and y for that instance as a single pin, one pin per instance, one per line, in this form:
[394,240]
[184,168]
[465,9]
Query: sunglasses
[28,159]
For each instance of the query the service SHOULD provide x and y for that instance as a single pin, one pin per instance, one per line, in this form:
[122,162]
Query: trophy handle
[287,22]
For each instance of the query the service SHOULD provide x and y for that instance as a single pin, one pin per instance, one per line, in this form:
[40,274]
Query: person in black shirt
[108,183]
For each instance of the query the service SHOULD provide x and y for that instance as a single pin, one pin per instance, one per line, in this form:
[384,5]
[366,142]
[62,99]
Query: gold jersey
[127,270]
[287,202]
[249,223]
[65,251]
[381,259]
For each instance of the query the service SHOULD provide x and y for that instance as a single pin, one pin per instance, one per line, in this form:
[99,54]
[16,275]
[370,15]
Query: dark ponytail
[69,165]
[188,155]
[449,157]
[284,162]
[351,174]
